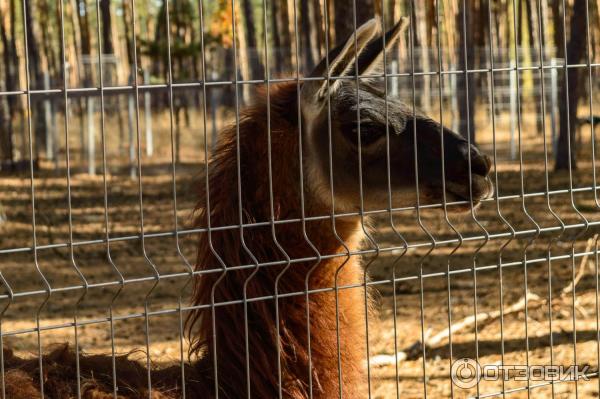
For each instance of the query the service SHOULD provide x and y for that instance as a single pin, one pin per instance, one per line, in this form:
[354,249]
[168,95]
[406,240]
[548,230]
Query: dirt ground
[541,335]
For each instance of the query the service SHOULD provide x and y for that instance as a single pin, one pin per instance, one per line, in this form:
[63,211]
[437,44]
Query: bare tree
[311,33]
[36,76]
[107,44]
[10,61]
[465,81]
[256,69]
[569,96]
[344,16]
[280,22]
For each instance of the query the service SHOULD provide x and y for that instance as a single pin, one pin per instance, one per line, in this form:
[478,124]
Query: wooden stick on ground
[533,301]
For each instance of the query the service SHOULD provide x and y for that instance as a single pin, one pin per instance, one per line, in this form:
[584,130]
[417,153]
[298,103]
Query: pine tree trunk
[36,78]
[344,17]
[532,29]
[312,33]
[281,37]
[107,44]
[305,43]
[576,47]
[8,104]
[466,98]
[256,68]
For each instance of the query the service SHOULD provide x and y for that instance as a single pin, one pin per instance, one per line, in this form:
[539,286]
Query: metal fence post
[513,112]
[148,116]
[91,133]
[553,102]
[48,119]
[130,119]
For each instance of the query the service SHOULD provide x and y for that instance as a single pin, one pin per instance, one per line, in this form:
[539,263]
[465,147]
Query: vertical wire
[271,205]
[591,97]
[593,149]
[184,260]
[69,203]
[141,197]
[432,241]
[571,194]
[390,203]
[302,207]
[555,238]
[444,197]
[470,175]
[597,294]
[45,282]
[9,302]
[592,141]
[533,238]
[207,205]
[2,312]
[105,198]
[361,196]
[240,205]
[332,198]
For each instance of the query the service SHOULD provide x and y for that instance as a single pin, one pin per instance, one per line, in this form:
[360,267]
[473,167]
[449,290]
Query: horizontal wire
[538,385]
[128,89]
[271,297]
[311,218]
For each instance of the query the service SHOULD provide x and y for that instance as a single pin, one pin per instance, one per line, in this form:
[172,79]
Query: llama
[266,336]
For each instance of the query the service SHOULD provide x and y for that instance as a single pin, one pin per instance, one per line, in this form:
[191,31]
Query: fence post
[53,125]
[130,113]
[213,112]
[91,130]
[455,115]
[148,117]
[394,79]
[48,120]
[513,111]
[553,102]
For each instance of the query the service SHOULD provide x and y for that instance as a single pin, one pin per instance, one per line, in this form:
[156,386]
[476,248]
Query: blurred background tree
[462,28]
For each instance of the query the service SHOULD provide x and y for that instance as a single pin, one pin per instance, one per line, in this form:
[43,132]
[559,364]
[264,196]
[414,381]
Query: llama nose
[480,163]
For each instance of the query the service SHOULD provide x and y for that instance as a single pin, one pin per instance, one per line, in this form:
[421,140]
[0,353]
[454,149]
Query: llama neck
[308,324]
[268,307]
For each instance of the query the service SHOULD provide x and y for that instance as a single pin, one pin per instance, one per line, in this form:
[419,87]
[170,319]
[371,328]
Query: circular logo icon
[465,373]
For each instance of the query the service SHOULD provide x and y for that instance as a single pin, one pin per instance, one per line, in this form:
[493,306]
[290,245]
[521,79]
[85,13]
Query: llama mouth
[460,194]
[481,189]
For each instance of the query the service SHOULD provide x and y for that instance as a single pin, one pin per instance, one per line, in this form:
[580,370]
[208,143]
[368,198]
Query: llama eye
[370,132]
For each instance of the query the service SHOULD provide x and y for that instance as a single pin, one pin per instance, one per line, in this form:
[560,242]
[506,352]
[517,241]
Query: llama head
[357,110]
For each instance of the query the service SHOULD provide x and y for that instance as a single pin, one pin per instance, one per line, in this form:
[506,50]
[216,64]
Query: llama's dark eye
[370,132]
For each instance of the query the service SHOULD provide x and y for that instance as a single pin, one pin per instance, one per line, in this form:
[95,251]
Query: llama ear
[342,59]
[371,59]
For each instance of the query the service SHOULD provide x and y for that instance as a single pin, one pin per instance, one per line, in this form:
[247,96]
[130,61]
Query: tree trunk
[466,98]
[281,37]
[532,24]
[36,78]
[107,44]
[312,33]
[256,68]
[576,47]
[344,17]
[305,26]
[8,104]
[128,35]
[557,24]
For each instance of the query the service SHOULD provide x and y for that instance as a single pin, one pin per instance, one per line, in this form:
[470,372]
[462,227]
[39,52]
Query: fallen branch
[533,301]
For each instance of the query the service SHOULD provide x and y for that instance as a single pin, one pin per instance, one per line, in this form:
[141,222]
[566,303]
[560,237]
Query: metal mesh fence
[284,212]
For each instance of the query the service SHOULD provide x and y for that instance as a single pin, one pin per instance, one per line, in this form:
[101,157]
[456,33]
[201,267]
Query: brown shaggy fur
[227,246]
[293,342]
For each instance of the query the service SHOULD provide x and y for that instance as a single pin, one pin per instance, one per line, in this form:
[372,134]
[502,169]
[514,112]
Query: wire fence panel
[299,199]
